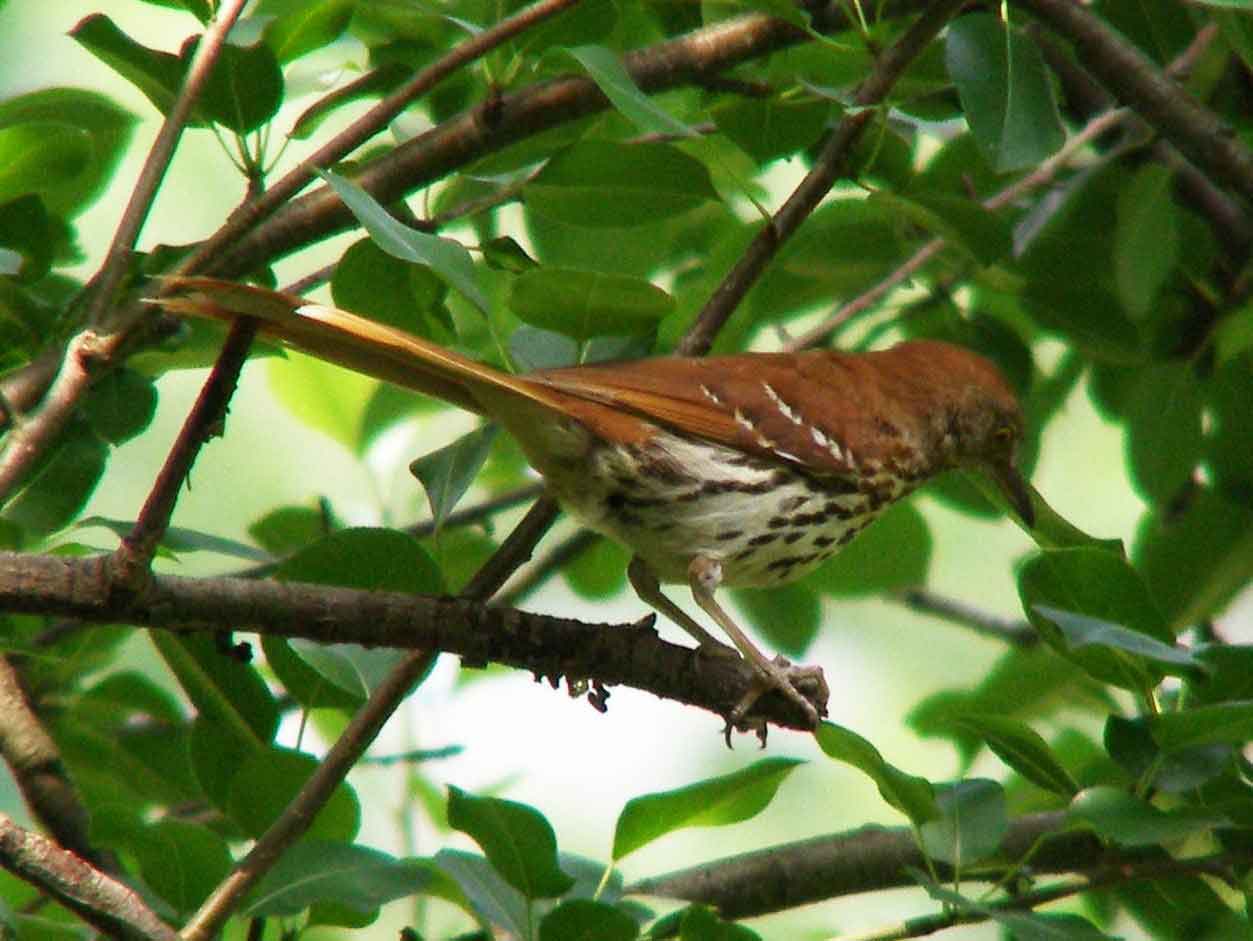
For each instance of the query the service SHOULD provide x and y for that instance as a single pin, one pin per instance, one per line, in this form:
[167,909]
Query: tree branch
[1138,83]
[629,655]
[828,168]
[112,908]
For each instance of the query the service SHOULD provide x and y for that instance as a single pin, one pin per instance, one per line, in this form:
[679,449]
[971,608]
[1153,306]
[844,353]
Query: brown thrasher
[746,470]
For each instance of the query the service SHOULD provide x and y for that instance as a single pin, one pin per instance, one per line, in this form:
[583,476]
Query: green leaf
[447,473]
[121,405]
[266,782]
[222,689]
[60,489]
[181,861]
[599,184]
[298,28]
[518,841]
[1128,820]
[1096,584]
[963,223]
[788,616]
[1083,631]
[1130,743]
[971,824]
[245,88]
[585,920]
[364,557]
[287,529]
[892,554]
[330,398]
[370,282]
[40,157]
[1146,238]
[446,258]
[713,802]
[315,871]
[1165,440]
[607,71]
[911,795]
[1004,89]
[1197,561]
[307,686]
[769,128]
[158,75]
[599,572]
[179,539]
[485,894]
[1023,926]
[108,125]
[701,923]
[1228,723]
[586,304]
[1023,749]
[352,668]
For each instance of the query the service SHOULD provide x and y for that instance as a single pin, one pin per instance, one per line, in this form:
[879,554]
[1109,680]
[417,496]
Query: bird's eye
[1004,433]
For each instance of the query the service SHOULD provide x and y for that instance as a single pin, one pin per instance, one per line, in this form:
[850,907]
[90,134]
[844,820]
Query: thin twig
[1041,176]
[100,340]
[133,557]
[366,126]
[298,816]
[1013,630]
[828,168]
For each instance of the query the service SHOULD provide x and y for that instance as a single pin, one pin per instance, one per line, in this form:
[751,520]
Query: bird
[743,470]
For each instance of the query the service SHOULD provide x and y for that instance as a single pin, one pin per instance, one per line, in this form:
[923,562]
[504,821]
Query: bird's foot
[805,687]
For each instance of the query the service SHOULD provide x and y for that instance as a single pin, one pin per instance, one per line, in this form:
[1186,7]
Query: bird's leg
[704,576]
[649,591]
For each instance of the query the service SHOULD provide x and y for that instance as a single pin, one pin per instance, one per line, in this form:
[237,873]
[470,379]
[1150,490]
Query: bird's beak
[1017,491]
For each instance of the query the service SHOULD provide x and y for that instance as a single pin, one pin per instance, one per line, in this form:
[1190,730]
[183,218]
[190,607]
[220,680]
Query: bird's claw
[805,687]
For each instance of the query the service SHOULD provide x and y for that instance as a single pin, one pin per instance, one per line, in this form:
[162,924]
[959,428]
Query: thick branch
[630,655]
[867,860]
[1139,84]
[111,907]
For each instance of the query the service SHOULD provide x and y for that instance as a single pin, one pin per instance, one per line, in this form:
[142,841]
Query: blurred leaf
[599,572]
[381,80]
[307,686]
[446,258]
[301,27]
[447,473]
[121,405]
[769,128]
[1023,749]
[517,839]
[158,75]
[1197,561]
[1228,723]
[701,923]
[356,670]
[1022,926]
[1146,238]
[962,223]
[586,304]
[1130,743]
[245,88]
[179,539]
[330,398]
[286,529]
[314,871]
[1005,92]
[713,802]
[607,71]
[382,287]
[181,861]
[484,893]
[266,782]
[62,486]
[971,824]
[586,920]
[892,554]
[788,616]
[1083,631]
[911,795]
[108,125]
[1164,439]
[1125,819]
[599,184]
[40,157]
[221,688]
[1098,585]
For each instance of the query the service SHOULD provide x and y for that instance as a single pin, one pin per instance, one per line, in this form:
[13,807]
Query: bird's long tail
[349,340]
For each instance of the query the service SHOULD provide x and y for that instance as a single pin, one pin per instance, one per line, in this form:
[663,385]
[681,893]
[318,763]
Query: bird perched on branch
[745,470]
